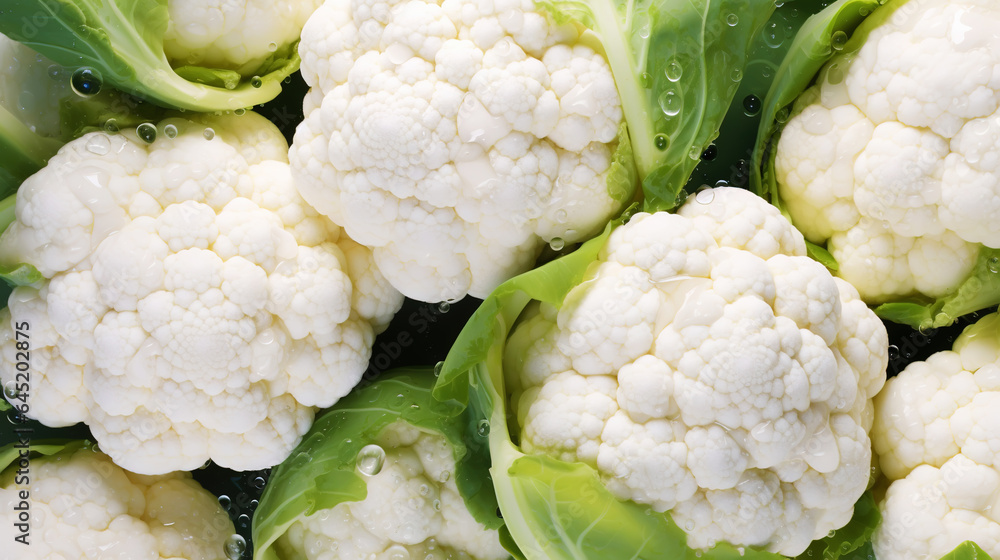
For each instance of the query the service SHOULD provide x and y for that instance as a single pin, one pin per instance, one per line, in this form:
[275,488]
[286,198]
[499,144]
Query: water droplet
[732,20]
[557,244]
[424,490]
[54,71]
[397,552]
[670,103]
[225,502]
[86,81]
[436,504]
[272,46]
[737,74]
[838,40]
[660,141]
[206,464]
[243,520]
[694,152]
[99,144]
[239,112]
[674,70]
[710,153]
[689,526]
[443,307]
[10,390]
[437,368]
[170,131]
[208,134]
[259,482]
[645,80]
[893,351]
[256,81]
[234,547]
[704,196]
[146,132]
[483,429]
[993,264]
[111,126]
[831,534]
[370,460]
[774,35]
[751,105]
[445,475]
[782,115]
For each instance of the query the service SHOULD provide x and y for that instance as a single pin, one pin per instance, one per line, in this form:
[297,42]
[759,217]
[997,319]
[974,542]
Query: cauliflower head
[193,306]
[891,158]
[82,505]
[413,509]
[708,367]
[456,139]
[935,436]
[240,35]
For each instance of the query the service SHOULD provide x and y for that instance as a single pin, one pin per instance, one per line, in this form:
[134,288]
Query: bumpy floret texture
[82,505]
[891,157]
[235,35]
[455,138]
[195,307]
[708,367]
[412,510]
[935,434]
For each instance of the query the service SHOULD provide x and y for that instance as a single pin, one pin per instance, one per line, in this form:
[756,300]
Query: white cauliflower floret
[935,435]
[708,367]
[413,509]
[888,158]
[82,505]
[207,325]
[455,139]
[238,35]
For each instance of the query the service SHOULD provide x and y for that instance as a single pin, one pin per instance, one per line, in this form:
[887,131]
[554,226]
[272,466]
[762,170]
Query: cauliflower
[888,158]
[456,139]
[407,482]
[704,365]
[82,505]
[193,307]
[935,436]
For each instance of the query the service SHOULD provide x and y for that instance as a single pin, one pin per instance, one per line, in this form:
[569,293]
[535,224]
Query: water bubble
[208,134]
[99,144]
[443,307]
[206,464]
[444,476]
[170,131]
[424,490]
[234,547]
[54,71]
[670,103]
[111,126]
[437,368]
[710,153]
[561,216]
[225,502]
[993,264]
[782,115]
[243,520]
[732,20]
[483,429]
[370,460]
[259,482]
[834,75]
[689,526]
[695,152]
[272,46]
[838,40]
[893,351]
[737,74]
[239,112]
[436,504]
[146,132]
[397,552]
[751,105]
[704,196]
[86,81]
[660,141]
[256,81]
[646,80]
[674,71]
[557,244]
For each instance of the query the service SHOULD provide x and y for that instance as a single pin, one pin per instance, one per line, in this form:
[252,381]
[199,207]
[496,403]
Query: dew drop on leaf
[146,132]
[557,244]
[209,134]
[993,264]
[437,368]
[370,460]
[660,141]
[256,81]
[751,105]
[732,20]
[239,112]
[272,46]
[838,40]
[234,547]
[86,81]
[670,103]
[111,126]
[674,70]
[483,429]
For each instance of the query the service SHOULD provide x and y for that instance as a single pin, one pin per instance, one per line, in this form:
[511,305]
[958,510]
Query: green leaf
[19,274]
[123,40]
[820,254]
[9,453]
[967,551]
[851,538]
[979,290]
[320,472]
[24,152]
[677,64]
